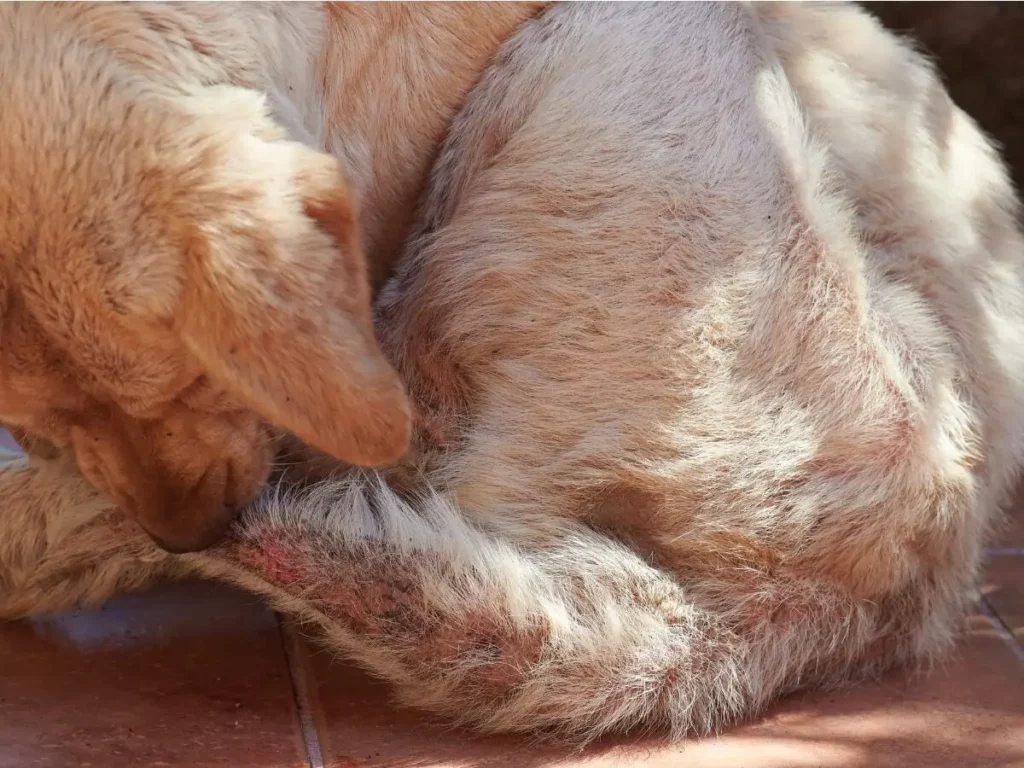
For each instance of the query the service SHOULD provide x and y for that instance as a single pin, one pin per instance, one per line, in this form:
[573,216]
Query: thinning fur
[712,325]
[574,640]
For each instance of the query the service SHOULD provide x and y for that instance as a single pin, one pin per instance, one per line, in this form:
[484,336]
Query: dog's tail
[575,639]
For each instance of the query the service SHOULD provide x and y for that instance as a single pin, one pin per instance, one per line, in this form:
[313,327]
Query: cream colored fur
[713,325]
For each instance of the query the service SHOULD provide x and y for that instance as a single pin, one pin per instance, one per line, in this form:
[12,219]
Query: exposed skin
[711,325]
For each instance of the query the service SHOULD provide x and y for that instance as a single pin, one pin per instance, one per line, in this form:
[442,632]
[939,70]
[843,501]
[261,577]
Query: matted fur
[713,326]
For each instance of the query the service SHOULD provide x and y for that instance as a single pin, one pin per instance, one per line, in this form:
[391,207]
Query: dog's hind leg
[578,638]
[64,544]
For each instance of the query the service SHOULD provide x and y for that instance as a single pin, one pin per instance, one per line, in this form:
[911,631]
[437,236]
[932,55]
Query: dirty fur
[712,326]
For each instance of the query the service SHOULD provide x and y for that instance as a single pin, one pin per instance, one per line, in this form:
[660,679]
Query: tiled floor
[188,676]
[198,675]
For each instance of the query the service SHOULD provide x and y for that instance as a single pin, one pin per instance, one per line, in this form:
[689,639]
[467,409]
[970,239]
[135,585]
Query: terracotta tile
[1004,590]
[970,712]
[192,675]
[967,712]
[1011,533]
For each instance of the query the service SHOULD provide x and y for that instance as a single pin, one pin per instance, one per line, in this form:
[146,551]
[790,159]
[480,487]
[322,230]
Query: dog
[183,278]
[710,324]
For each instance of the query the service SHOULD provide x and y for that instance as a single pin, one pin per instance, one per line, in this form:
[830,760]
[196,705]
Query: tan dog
[712,325]
[179,278]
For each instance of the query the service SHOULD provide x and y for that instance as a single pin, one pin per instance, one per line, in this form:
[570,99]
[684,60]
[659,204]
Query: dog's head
[177,283]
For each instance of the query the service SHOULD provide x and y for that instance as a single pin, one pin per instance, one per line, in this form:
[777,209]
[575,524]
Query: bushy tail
[574,639]
[578,638]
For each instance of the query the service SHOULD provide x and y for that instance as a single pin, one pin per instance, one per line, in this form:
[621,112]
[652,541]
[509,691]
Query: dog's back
[714,333]
[743,288]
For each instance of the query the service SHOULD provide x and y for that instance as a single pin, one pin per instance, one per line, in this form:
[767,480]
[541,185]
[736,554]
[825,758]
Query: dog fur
[711,322]
[181,275]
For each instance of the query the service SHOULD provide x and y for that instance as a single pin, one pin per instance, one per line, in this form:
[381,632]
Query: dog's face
[177,283]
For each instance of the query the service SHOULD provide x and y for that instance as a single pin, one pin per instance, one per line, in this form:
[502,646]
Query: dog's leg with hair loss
[451,615]
[579,638]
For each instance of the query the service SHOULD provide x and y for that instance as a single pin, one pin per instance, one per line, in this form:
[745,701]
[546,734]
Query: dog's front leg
[63,544]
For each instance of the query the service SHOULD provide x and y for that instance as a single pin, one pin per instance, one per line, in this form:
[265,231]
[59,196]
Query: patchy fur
[712,324]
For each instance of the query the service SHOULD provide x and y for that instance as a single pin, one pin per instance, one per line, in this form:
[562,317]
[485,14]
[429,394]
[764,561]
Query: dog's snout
[182,479]
[190,527]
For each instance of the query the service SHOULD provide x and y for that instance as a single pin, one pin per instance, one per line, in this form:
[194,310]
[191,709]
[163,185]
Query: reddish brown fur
[178,280]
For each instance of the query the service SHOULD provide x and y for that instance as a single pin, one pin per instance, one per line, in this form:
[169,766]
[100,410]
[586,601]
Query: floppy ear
[277,301]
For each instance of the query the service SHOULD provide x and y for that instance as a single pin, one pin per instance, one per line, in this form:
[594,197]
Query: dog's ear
[277,304]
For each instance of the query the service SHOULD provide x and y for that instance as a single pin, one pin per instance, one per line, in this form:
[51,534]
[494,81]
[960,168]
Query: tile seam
[301,692]
[1001,627]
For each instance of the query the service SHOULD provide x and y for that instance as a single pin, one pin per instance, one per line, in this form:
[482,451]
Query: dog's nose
[180,532]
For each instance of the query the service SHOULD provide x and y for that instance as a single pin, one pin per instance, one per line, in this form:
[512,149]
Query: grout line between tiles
[1004,552]
[1004,631]
[301,692]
